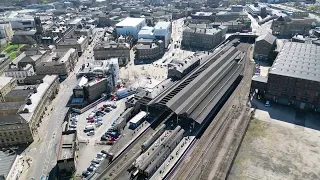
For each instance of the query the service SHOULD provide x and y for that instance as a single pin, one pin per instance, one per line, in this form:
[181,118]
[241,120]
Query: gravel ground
[278,150]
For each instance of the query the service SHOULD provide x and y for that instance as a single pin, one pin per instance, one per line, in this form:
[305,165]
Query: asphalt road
[44,153]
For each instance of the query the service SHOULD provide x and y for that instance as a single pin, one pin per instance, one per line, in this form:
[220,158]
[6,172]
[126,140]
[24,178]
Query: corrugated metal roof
[298,60]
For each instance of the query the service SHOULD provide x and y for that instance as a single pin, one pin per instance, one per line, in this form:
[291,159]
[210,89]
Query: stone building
[23,110]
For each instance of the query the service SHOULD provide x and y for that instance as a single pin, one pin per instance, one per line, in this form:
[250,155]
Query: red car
[91,120]
[101,108]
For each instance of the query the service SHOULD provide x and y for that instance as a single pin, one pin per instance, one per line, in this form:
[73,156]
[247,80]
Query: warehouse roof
[130,22]
[4,81]
[298,60]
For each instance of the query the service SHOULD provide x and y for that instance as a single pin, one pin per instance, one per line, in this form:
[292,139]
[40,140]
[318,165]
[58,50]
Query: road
[260,30]
[281,6]
[44,152]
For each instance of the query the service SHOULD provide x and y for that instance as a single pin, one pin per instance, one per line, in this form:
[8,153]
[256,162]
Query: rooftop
[58,56]
[28,110]
[202,14]
[267,37]
[162,25]
[67,146]
[11,119]
[130,22]
[4,81]
[298,60]
[7,159]
[11,105]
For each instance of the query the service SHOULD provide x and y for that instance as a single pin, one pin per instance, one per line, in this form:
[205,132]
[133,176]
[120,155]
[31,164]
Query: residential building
[203,38]
[235,26]
[264,46]
[19,119]
[207,16]
[288,27]
[60,62]
[130,26]
[19,73]
[6,85]
[67,156]
[225,16]
[106,50]
[294,77]
[213,3]
[6,31]
[32,56]
[80,44]
[149,49]
[10,166]
[237,8]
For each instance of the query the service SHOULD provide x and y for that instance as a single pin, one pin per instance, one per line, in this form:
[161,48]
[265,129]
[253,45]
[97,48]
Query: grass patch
[13,55]
[12,48]
[257,128]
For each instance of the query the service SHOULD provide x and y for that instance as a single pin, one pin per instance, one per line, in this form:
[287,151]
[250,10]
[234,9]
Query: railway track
[201,160]
[127,157]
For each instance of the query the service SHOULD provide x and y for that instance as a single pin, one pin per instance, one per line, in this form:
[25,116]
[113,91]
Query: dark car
[104,138]
[86,173]
[104,152]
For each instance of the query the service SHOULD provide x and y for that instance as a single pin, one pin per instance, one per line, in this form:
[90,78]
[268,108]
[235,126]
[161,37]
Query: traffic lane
[47,158]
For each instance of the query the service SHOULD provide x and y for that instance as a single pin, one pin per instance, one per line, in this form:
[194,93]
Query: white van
[89,128]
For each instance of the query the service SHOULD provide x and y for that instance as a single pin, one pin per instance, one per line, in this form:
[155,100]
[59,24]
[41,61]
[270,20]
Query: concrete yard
[280,144]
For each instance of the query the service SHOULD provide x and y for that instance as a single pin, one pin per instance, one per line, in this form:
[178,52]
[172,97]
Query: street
[44,152]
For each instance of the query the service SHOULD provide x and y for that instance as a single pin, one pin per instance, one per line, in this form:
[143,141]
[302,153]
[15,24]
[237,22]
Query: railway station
[186,108]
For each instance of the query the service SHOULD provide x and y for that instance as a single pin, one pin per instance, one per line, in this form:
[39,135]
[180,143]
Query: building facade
[79,43]
[288,27]
[60,62]
[149,50]
[130,26]
[264,46]
[107,50]
[6,31]
[19,119]
[293,78]
[6,85]
[203,38]
[20,73]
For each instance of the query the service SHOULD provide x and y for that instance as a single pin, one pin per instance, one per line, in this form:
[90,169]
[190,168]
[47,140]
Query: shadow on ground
[290,115]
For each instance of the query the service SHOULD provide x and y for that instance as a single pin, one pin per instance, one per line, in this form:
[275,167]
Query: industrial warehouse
[293,78]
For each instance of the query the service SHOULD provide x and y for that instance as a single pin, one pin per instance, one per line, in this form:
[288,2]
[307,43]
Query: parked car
[86,173]
[95,165]
[114,106]
[101,155]
[103,138]
[267,104]
[104,152]
[72,126]
[101,108]
[91,168]
[96,161]
[91,120]
[90,133]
